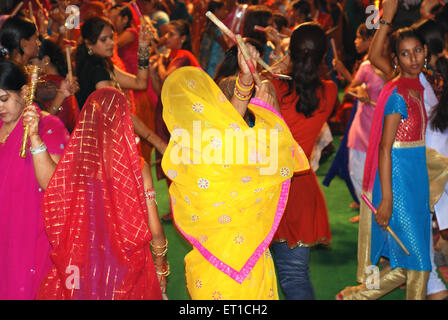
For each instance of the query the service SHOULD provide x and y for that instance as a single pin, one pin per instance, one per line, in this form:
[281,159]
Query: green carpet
[331,269]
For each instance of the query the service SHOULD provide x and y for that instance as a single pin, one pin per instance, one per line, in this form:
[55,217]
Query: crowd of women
[120,80]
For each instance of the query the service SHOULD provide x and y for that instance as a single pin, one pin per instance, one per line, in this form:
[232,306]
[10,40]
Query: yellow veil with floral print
[230,185]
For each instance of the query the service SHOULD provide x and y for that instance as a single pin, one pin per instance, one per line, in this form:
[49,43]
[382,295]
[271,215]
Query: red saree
[95,212]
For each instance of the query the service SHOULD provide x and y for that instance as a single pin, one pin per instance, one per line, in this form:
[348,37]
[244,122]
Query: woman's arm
[65,90]
[244,81]
[376,49]
[384,212]
[158,235]
[44,162]
[143,131]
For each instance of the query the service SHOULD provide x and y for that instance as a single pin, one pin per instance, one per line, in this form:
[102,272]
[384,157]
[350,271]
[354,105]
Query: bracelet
[238,84]
[241,96]
[166,272]
[246,85]
[143,63]
[382,21]
[159,247]
[39,149]
[150,194]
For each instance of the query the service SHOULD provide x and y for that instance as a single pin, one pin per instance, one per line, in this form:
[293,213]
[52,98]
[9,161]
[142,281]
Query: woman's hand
[267,93]
[362,94]
[273,35]
[338,65]
[245,74]
[31,119]
[144,35]
[68,88]
[384,213]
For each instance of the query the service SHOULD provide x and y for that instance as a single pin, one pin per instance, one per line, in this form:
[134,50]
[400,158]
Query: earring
[426,63]
[90,51]
[395,67]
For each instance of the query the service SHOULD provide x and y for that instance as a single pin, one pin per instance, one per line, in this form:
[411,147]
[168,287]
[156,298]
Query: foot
[354,205]
[349,291]
[354,219]
[166,217]
[441,295]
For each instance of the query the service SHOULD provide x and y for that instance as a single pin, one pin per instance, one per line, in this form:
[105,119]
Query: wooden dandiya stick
[16,9]
[69,63]
[263,29]
[335,53]
[330,31]
[248,60]
[392,233]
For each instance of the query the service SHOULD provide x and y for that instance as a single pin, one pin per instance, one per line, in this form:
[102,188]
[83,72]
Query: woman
[127,45]
[56,93]
[381,60]
[20,39]
[305,108]
[178,41]
[228,212]
[101,241]
[95,70]
[24,246]
[396,175]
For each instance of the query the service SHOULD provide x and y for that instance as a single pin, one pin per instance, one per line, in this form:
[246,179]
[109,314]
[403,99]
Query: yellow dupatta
[230,181]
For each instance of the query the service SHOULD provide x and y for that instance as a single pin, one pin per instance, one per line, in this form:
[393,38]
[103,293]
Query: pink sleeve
[361,74]
[54,134]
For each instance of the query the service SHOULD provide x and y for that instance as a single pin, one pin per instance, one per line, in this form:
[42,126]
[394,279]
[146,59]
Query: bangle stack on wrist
[39,149]
[241,93]
[143,57]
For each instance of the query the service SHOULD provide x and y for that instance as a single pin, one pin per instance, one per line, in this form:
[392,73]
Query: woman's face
[411,57]
[174,40]
[361,44]
[30,47]
[104,46]
[11,106]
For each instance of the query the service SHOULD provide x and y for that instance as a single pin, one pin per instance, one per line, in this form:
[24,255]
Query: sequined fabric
[95,212]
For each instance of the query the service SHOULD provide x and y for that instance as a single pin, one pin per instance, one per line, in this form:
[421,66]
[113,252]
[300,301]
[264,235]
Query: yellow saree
[230,186]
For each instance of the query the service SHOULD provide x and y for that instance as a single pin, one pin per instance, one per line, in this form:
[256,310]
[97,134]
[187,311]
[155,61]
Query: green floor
[331,269]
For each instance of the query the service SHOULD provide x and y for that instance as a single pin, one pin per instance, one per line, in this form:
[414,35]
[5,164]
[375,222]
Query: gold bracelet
[240,96]
[162,254]
[167,271]
[238,84]
[159,247]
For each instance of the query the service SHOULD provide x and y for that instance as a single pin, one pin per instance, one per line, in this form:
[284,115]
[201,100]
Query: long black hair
[91,31]
[13,30]
[307,49]
[12,76]
[53,51]
[229,64]
[434,37]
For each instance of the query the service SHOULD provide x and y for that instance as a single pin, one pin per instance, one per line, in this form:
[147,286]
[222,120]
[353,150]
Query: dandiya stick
[248,60]
[392,233]
[330,31]
[335,53]
[262,29]
[69,63]
[17,8]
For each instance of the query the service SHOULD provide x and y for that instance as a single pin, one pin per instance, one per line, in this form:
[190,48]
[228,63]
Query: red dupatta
[95,210]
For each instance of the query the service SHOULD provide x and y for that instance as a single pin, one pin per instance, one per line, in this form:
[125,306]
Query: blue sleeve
[396,104]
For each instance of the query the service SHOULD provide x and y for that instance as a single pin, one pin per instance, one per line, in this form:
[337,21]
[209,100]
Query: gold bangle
[159,247]
[167,271]
[238,84]
[240,96]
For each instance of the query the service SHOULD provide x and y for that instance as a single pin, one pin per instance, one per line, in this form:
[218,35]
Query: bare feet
[441,295]
[354,219]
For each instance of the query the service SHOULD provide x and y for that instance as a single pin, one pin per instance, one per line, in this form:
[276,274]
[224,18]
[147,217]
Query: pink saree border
[239,276]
